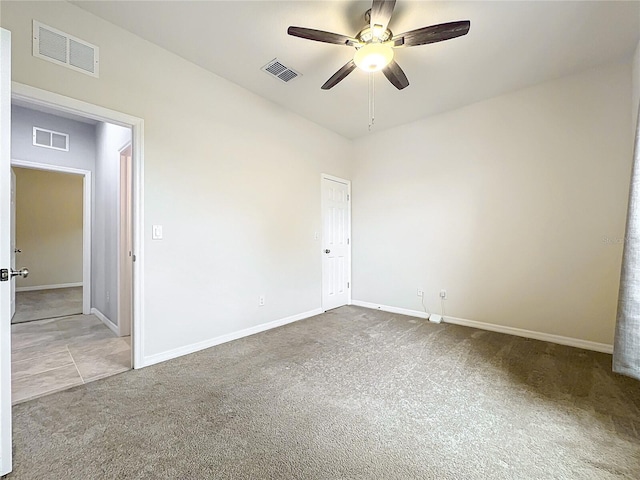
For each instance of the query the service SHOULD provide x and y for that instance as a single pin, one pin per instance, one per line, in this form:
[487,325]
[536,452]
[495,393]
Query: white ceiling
[511,45]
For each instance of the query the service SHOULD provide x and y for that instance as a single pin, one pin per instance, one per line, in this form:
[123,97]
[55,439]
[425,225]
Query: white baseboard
[195,347]
[48,287]
[386,308]
[519,332]
[103,318]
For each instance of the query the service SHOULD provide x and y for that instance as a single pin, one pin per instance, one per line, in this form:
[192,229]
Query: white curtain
[626,348]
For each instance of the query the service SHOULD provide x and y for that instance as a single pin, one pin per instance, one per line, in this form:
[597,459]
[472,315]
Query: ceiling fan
[375,43]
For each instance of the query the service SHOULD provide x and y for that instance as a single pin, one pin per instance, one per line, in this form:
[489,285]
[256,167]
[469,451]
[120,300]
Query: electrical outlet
[443,294]
[420,292]
[261,301]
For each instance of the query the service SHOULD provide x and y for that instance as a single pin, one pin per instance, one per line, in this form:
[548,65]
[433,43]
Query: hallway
[55,354]
[41,304]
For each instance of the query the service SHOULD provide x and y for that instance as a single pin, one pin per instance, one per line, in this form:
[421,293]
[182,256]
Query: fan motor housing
[366,35]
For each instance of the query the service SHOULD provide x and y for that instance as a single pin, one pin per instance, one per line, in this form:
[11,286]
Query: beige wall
[48,227]
[515,205]
[635,94]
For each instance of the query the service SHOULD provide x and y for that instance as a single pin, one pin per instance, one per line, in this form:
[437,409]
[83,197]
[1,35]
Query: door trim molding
[59,102]
[87,208]
[326,176]
[6,450]
[123,329]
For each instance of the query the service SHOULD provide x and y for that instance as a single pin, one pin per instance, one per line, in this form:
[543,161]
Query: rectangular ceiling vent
[64,49]
[276,69]
[50,139]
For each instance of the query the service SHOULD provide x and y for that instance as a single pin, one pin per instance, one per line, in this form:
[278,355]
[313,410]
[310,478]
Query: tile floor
[40,304]
[54,354]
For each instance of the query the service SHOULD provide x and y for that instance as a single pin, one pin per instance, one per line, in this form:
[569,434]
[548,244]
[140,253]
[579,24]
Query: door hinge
[4,275]
[348,285]
[347,241]
[348,197]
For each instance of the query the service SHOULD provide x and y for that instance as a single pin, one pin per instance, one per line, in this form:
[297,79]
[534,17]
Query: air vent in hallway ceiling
[280,71]
[64,49]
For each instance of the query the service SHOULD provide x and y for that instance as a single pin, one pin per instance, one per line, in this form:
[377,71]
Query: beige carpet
[352,393]
[41,304]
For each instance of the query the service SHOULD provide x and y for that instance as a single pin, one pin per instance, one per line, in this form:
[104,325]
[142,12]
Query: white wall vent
[64,49]
[278,70]
[50,139]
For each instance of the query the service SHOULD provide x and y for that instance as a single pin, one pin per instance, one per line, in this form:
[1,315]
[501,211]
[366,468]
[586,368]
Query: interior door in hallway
[336,248]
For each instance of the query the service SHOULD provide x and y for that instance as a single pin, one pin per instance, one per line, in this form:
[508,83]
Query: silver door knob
[23,272]
[327,251]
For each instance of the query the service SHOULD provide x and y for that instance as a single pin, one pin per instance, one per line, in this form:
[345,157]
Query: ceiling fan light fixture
[373,57]
[377,31]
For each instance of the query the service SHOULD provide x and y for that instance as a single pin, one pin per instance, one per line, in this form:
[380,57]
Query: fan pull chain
[372,100]
[369,99]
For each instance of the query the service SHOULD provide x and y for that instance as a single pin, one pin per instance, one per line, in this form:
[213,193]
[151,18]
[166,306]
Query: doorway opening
[69,327]
[49,235]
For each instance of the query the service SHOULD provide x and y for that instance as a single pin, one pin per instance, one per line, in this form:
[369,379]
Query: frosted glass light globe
[373,57]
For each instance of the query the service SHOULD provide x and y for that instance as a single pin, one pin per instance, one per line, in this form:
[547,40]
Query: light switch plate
[156,232]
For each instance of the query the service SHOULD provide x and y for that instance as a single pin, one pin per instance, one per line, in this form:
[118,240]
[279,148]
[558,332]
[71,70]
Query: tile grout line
[37,356]
[43,371]
[19,377]
[75,365]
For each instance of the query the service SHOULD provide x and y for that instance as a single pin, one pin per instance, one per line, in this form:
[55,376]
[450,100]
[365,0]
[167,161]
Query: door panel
[13,240]
[336,249]
[5,251]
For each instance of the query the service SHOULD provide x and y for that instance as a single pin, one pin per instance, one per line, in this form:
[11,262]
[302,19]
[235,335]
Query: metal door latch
[6,274]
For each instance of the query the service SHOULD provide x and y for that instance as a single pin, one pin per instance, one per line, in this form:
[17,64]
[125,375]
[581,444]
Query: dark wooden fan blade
[339,75]
[435,33]
[395,75]
[322,36]
[381,11]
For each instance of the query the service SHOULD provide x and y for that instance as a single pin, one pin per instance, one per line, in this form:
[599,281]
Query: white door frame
[5,257]
[326,176]
[86,220]
[123,274]
[37,96]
